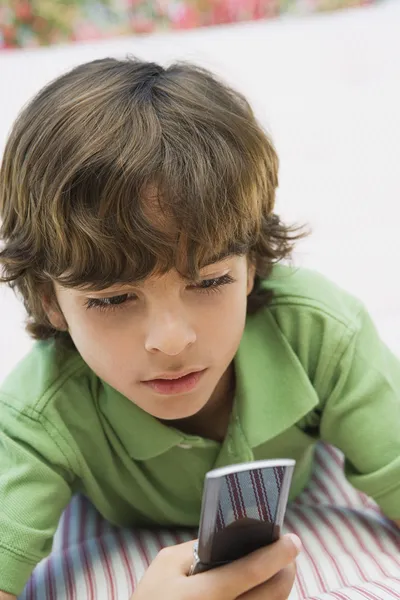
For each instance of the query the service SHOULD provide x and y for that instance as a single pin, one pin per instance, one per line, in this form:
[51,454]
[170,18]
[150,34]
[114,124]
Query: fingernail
[296,541]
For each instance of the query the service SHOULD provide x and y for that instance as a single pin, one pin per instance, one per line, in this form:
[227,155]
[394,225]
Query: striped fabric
[351,552]
[260,501]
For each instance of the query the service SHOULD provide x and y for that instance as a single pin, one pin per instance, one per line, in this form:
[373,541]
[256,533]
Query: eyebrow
[232,251]
[218,258]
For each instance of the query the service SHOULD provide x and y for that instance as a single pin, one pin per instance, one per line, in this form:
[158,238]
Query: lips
[173,376]
[177,385]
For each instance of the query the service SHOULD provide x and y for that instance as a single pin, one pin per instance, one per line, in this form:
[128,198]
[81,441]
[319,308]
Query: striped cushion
[351,552]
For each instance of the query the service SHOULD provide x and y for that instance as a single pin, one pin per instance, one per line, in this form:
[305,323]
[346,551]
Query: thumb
[246,573]
[178,558]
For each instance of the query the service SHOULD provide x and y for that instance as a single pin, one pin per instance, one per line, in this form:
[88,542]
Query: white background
[328,88]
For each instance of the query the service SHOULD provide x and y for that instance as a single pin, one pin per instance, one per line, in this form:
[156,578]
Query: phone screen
[246,516]
[243,509]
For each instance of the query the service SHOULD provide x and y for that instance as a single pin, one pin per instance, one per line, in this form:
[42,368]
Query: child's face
[131,334]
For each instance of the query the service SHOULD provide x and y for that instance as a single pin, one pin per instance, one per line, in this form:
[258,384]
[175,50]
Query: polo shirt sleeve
[35,487]
[361,415]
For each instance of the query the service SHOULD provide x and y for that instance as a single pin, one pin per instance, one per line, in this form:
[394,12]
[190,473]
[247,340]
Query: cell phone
[243,509]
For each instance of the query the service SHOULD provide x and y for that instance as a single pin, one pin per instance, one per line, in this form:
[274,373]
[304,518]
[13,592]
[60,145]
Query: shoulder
[46,375]
[317,322]
[41,401]
[300,293]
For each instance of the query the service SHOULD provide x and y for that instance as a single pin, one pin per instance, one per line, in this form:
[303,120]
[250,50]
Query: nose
[169,332]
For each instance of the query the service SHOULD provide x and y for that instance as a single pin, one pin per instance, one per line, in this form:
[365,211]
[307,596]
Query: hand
[267,574]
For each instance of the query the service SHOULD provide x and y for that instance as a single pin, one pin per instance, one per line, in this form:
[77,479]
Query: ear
[251,273]
[53,311]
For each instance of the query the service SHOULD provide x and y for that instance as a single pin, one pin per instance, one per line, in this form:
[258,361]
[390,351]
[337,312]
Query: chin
[169,414]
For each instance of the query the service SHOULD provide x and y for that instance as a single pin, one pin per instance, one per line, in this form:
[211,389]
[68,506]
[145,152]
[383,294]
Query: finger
[244,574]
[277,588]
[180,556]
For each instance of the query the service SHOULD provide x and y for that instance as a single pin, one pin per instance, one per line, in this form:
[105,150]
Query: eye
[215,284]
[109,304]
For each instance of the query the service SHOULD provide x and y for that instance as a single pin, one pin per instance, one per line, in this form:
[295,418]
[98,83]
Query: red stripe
[182,536]
[260,494]
[321,515]
[299,581]
[231,498]
[339,460]
[300,516]
[65,528]
[264,499]
[67,570]
[387,589]
[325,466]
[240,496]
[321,485]
[178,537]
[105,560]
[315,531]
[137,539]
[335,532]
[334,454]
[235,497]
[339,595]
[90,582]
[159,540]
[278,477]
[279,471]
[271,516]
[31,594]
[129,570]
[335,594]
[220,521]
[377,538]
[50,592]
[367,594]
[347,522]
[337,511]
[278,483]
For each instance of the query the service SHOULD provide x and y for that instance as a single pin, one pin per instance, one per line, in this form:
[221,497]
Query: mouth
[173,376]
[175,383]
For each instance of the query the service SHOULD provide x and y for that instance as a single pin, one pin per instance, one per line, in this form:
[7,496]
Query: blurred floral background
[31,23]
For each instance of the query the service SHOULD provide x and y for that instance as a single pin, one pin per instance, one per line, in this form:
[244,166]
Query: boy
[138,227]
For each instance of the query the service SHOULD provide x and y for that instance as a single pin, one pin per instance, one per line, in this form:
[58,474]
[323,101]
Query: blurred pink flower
[8,33]
[133,3]
[23,11]
[186,17]
[140,24]
[86,31]
[21,25]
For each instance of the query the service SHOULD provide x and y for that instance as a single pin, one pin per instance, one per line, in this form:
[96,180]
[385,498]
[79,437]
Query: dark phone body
[243,509]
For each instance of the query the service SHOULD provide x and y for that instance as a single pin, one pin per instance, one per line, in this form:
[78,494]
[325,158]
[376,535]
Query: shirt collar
[273,392]
[142,435]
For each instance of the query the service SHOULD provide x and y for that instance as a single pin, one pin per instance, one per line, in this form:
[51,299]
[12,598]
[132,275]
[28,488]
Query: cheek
[224,326]
[102,346]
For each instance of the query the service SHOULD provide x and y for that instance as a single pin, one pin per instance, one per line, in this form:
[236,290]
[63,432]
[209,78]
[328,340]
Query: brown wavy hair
[84,153]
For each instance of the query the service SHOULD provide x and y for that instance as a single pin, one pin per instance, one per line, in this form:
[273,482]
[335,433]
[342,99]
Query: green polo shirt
[310,366]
